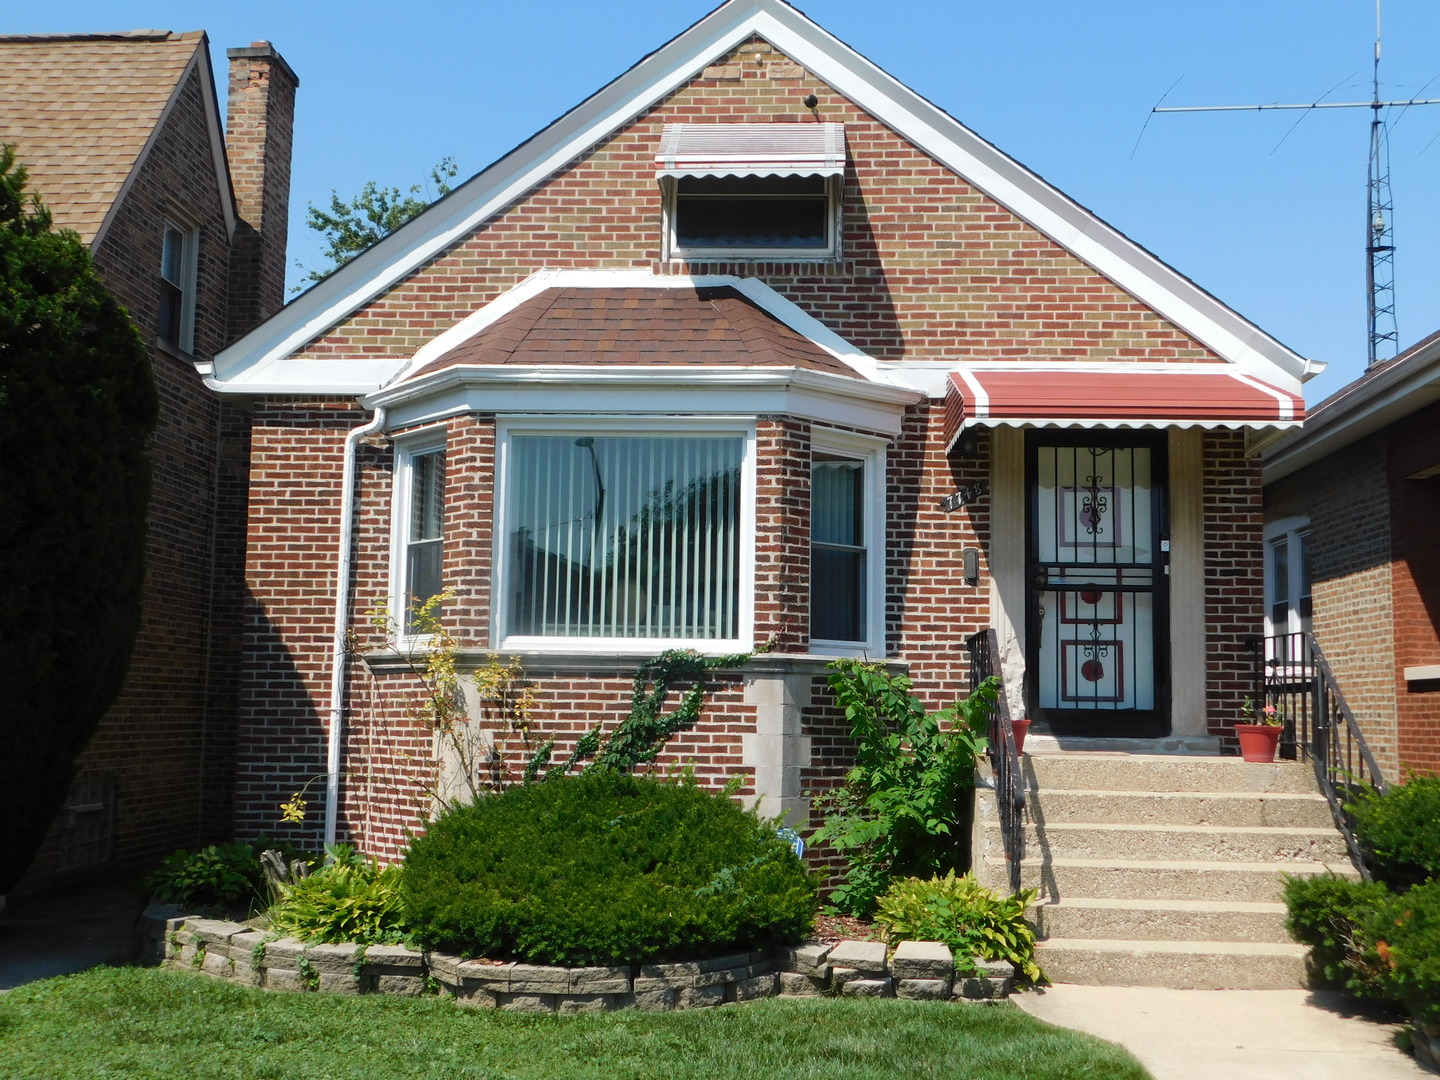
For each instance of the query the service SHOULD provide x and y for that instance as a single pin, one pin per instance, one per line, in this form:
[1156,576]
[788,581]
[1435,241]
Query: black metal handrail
[1295,677]
[984,649]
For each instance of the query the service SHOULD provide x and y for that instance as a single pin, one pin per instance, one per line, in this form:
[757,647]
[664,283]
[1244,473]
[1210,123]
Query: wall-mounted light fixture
[971,557]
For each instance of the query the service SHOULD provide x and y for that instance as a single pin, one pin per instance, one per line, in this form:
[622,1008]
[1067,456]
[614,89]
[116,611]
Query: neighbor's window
[620,536]
[423,534]
[762,214]
[838,572]
[175,321]
[1287,582]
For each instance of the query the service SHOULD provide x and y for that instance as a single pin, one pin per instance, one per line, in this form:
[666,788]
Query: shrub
[1404,950]
[899,811]
[1323,912]
[1401,830]
[604,867]
[963,914]
[353,899]
[221,875]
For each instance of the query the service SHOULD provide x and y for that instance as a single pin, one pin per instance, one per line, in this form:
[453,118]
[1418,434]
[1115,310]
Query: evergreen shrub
[1323,911]
[1403,947]
[604,868]
[1401,830]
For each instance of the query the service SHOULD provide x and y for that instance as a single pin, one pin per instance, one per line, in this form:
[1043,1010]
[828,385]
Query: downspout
[342,620]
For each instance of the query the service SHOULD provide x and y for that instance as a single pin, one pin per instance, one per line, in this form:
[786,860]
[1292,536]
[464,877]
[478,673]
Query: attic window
[752,190]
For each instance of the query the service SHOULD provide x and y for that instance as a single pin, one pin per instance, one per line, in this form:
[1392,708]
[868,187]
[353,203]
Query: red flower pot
[1258,741]
[1021,727]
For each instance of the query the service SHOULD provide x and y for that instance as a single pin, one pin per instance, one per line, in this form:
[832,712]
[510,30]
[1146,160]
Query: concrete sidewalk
[1231,1034]
[58,935]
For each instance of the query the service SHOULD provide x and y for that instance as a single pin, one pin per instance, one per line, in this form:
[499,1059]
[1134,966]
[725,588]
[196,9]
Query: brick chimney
[259,129]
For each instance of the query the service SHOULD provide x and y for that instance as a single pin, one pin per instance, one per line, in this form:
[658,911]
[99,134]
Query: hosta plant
[965,915]
[353,899]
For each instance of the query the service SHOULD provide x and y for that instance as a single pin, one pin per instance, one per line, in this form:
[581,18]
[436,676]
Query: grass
[145,1022]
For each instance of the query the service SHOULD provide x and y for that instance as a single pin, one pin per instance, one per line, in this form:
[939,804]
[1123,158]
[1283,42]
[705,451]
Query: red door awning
[1054,397]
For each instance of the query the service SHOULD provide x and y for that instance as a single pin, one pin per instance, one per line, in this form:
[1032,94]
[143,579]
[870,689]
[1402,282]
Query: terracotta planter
[1258,741]
[1021,728]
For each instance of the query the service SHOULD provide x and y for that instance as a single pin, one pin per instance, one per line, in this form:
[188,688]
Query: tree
[77,405]
[351,227]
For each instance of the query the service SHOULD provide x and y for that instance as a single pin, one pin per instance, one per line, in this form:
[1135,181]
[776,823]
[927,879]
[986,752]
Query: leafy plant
[1267,715]
[898,812]
[641,736]
[1323,911]
[1405,950]
[1401,829]
[353,899]
[221,875]
[604,867]
[965,915]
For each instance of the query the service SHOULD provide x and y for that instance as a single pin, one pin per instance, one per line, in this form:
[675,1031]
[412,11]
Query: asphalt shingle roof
[80,109]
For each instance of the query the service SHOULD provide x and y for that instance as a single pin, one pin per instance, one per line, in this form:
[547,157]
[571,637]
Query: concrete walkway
[58,935]
[1231,1034]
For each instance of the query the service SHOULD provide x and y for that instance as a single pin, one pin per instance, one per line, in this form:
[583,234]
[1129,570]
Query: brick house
[753,346]
[121,136]
[1352,510]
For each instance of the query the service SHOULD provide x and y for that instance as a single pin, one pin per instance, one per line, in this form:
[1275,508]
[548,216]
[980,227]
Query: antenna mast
[1384,337]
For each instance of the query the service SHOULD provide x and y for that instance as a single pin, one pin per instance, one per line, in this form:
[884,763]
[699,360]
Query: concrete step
[1161,920]
[1176,965]
[1163,772]
[1272,809]
[1159,879]
[1243,843]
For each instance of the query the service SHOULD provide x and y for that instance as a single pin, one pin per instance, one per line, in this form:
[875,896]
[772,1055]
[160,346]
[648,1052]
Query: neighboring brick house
[120,134]
[696,365]
[1352,513]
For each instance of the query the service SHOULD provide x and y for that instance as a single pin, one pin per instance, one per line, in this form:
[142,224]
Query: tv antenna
[1380,207]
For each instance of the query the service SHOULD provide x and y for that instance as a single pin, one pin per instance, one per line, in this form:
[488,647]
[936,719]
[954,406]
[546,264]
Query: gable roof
[84,110]
[1003,179]
[701,325]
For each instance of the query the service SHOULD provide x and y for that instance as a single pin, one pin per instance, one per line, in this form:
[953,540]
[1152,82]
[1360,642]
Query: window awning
[752,150]
[1054,397]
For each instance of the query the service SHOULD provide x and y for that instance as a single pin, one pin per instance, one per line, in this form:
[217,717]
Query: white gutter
[342,620]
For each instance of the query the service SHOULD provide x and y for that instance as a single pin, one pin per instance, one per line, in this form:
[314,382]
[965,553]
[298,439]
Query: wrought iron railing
[1294,676]
[984,649]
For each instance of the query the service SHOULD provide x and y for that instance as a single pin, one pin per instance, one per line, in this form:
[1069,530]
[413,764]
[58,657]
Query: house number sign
[970,493]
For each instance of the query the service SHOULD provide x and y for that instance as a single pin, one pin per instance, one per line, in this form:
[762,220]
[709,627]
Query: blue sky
[1274,228]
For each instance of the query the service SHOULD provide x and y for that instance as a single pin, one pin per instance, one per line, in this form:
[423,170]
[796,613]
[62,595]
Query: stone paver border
[226,950]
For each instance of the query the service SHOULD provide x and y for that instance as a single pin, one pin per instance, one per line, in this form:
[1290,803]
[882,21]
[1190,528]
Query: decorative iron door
[1098,552]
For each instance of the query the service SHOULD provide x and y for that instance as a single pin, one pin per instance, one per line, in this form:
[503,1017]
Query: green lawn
[153,1024]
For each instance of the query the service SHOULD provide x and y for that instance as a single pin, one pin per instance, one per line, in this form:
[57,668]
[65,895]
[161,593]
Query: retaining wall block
[839,976]
[585,1003]
[474,975]
[475,997]
[600,980]
[335,982]
[648,1000]
[396,984]
[722,976]
[279,978]
[218,963]
[863,956]
[808,959]
[214,931]
[526,979]
[798,984]
[332,959]
[923,989]
[699,997]
[284,952]
[757,986]
[1425,1042]
[922,960]
[980,989]
[759,967]
[869,988]
[528,1003]
[442,966]
[394,959]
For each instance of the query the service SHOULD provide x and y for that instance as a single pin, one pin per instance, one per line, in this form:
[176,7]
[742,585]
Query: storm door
[1098,615]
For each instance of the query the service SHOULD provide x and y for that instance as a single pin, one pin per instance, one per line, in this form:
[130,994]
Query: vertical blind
[624,536]
[423,538]
[837,550]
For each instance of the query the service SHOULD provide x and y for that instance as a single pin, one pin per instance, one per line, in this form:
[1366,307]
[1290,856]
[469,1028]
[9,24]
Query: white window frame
[1293,531]
[871,451]
[580,425]
[187,285]
[670,190]
[407,449]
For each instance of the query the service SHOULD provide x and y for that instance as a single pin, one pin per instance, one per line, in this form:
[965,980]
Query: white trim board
[1000,177]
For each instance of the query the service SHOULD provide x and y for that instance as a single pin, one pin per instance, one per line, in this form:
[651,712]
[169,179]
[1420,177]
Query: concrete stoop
[1164,870]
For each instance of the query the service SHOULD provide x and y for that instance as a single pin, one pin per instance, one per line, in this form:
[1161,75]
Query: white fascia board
[348,376]
[199,59]
[647,391]
[931,129]
[1391,396]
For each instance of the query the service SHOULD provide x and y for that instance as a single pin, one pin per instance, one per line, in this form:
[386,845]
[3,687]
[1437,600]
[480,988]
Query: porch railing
[984,649]
[1294,676]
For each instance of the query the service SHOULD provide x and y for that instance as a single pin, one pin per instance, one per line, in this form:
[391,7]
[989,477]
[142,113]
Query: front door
[1098,613]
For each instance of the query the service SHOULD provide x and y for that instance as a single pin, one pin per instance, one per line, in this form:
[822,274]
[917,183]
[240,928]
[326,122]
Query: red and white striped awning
[783,149]
[1054,397]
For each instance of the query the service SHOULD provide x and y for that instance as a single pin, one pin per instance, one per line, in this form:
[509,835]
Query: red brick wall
[1234,575]
[167,741]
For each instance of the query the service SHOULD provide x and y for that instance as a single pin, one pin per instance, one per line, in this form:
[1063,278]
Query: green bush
[1401,830]
[963,914]
[353,899]
[1323,912]
[1403,949]
[600,868]
[221,875]
[900,811]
